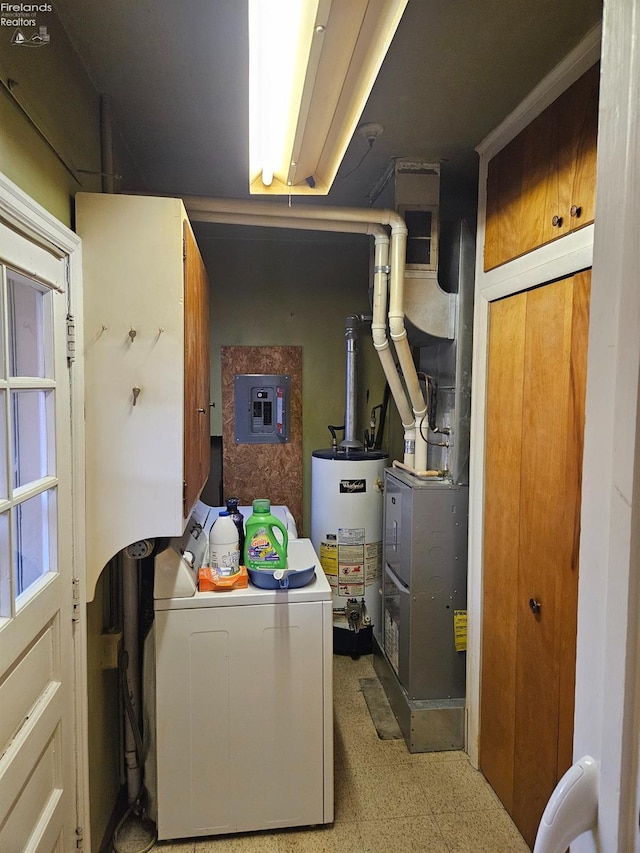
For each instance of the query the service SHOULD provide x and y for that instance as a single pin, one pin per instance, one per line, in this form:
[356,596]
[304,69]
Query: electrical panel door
[261,407]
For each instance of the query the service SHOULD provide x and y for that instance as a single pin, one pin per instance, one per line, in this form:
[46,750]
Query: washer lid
[300,555]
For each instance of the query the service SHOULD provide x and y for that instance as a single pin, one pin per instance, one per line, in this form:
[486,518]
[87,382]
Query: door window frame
[41,229]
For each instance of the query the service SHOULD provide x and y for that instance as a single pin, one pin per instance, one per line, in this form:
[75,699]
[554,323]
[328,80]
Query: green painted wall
[59,99]
[51,85]
[297,291]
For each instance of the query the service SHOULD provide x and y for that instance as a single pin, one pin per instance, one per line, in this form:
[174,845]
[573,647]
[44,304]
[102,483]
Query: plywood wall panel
[271,471]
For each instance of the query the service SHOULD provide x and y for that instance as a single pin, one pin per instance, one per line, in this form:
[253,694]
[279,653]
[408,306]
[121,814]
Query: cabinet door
[196,372]
[535,417]
[577,129]
[541,205]
[542,184]
[504,204]
[522,193]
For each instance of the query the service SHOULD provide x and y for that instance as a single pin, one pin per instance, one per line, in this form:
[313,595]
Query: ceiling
[176,75]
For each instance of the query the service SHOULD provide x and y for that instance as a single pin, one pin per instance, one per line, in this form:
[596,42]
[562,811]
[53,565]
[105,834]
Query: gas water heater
[346,520]
[346,532]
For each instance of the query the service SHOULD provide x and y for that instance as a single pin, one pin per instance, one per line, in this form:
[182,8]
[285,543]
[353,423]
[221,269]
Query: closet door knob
[576,210]
[534,605]
[556,221]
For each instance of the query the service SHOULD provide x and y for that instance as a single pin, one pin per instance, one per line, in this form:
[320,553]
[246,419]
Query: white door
[37,737]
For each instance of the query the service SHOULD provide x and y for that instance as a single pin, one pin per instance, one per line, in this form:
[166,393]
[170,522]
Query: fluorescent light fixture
[312,65]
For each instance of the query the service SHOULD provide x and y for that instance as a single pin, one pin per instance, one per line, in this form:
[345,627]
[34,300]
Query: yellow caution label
[329,558]
[460,629]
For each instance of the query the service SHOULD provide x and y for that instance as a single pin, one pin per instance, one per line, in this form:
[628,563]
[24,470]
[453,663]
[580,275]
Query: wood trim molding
[25,215]
[557,259]
[573,66]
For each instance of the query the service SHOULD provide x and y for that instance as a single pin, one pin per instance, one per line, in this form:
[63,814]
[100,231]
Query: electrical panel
[261,407]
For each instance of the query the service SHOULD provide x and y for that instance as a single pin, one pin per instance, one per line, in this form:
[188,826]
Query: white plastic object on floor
[572,808]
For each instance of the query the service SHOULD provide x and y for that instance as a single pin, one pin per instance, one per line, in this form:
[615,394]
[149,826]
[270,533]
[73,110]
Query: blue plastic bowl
[293,579]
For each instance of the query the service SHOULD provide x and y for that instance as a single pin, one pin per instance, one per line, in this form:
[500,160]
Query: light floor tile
[454,787]
[340,838]
[387,800]
[249,843]
[419,834]
[353,711]
[343,802]
[379,753]
[436,757]
[480,832]
[356,736]
[388,792]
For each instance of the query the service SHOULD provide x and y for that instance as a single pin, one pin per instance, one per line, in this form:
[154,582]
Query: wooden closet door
[503,460]
[535,417]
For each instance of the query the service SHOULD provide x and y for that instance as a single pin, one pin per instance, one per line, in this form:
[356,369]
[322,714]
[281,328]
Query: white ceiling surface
[176,74]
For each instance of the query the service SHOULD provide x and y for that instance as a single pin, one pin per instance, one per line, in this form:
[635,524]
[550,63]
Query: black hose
[332,429]
[383,416]
[432,401]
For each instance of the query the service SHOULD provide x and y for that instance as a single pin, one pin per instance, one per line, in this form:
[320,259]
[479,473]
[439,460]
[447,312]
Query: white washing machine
[243,697]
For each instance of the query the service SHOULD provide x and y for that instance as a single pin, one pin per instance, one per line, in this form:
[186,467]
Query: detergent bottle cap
[261,505]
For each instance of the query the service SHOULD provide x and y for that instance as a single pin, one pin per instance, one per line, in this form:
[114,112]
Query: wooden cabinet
[542,184]
[146,348]
[533,463]
[197,444]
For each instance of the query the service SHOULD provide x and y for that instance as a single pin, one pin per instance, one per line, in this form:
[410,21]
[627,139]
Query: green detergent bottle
[262,547]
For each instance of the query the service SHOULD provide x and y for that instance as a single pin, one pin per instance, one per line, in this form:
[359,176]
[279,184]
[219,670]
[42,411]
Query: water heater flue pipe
[255,212]
[351,382]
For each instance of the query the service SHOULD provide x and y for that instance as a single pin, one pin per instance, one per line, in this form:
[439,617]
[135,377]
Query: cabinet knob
[556,221]
[576,210]
[202,411]
[534,605]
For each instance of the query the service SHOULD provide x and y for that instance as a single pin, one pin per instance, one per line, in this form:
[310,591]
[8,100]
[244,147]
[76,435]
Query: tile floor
[387,800]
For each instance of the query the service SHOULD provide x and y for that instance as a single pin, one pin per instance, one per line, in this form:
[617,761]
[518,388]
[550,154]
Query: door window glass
[34,528]
[3,368]
[31,418]
[29,327]
[28,476]
[5,563]
[4,474]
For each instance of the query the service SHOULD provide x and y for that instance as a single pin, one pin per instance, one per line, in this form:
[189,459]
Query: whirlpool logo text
[351,486]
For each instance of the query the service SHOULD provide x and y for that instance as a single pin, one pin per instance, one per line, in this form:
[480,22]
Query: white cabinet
[146,349]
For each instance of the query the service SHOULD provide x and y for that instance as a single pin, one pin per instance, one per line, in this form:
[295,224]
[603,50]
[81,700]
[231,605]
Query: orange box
[210,579]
